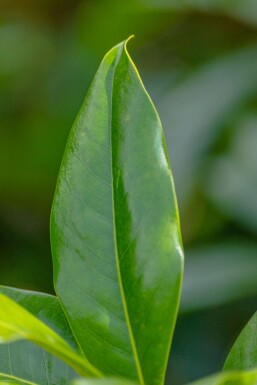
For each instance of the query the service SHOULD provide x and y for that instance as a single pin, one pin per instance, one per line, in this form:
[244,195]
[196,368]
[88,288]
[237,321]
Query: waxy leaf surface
[17,324]
[243,355]
[115,233]
[24,359]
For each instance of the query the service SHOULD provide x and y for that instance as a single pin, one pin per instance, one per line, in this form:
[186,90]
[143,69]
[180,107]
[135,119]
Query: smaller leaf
[17,323]
[229,378]
[18,359]
[103,381]
[243,355]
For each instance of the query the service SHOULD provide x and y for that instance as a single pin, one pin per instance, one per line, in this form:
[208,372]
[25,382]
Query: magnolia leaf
[16,324]
[115,234]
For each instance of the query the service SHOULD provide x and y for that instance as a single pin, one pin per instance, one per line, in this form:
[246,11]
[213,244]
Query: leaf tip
[129,38]
[126,42]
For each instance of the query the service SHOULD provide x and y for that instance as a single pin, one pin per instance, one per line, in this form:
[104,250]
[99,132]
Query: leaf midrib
[125,307]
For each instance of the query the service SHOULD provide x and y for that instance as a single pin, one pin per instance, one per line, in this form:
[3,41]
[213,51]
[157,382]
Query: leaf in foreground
[6,379]
[229,378]
[243,354]
[115,232]
[24,359]
[17,324]
[104,381]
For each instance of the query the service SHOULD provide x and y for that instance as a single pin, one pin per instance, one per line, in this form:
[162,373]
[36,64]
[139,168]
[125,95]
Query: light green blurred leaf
[229,378]
[235,171]
[196,109]
[17,324]
[21,357]
[219,273]
[115,233]
[104,381]
[6,379]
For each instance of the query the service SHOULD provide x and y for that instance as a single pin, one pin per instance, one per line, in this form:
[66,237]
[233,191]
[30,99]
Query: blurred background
[198,60]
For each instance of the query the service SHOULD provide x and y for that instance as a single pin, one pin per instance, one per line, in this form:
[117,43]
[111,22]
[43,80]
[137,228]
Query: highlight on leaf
[115,233]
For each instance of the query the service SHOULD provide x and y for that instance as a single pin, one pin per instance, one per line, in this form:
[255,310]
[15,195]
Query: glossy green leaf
[115,233]
[16,324]
[104,381]
[6,379]
[229,378]
[243,355]
[21,357]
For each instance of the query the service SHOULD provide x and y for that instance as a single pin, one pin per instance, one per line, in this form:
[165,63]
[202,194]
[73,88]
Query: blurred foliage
[199,63]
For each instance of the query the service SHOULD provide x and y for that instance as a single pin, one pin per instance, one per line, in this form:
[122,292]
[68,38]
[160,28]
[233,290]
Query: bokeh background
[198,60]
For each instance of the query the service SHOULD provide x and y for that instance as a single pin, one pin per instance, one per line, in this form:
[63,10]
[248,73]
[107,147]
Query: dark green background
[198,60]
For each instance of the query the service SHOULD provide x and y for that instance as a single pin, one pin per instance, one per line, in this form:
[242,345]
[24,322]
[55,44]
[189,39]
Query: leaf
[20,357]
[243,355]
[115,233]
[229,378]
[222,272]
[16,324]
[236,172]
[213,94]
[104,381]
[6,379]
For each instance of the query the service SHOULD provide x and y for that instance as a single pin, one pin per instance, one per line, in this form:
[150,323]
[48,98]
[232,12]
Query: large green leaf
[21,357]
[229,378]
[115,230]
[243,354]
[16,324]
